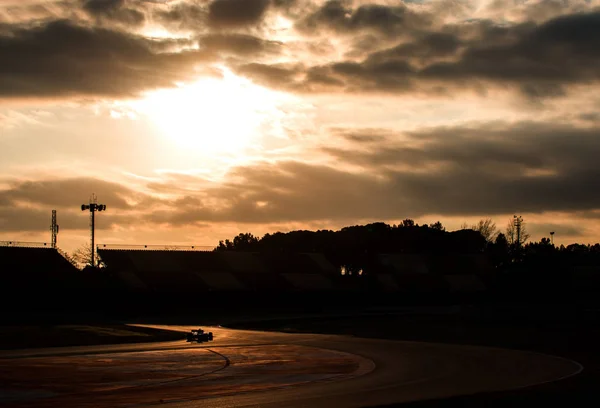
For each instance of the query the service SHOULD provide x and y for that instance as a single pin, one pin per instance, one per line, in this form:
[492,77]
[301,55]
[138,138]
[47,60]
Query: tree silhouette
[437,226]
[408,223]
[499,251]
[486,227]
[513,235]
[244,241]
[81,256]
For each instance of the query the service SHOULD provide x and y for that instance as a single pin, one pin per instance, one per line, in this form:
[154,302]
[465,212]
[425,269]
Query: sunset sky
[196,120]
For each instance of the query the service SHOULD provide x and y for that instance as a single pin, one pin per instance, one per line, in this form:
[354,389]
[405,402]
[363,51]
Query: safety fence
[157,247]
[24,244]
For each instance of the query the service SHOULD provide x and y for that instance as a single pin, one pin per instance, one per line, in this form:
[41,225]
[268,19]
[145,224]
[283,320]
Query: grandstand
[301,271]
[420,273]
[174,271]
[35,268]
[192,271]
[156,270]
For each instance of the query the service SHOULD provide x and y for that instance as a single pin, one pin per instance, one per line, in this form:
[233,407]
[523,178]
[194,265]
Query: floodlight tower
[54,229]
[93,206]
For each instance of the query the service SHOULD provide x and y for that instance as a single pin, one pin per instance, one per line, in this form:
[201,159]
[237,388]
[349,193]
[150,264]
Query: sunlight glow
[212,115]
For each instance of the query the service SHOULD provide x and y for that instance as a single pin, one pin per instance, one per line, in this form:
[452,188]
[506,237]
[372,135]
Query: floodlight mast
[93,206]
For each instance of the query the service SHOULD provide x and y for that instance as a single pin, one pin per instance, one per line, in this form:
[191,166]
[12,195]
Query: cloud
[65,193]
[338,16]
[561,230]
[538,60]
[239,44]
[368,135]
[60,58]
[26,205]
[423,50]
[488,169]
[528,168]
[114,10]
[273,75]
[236,13]
[190,15]
[358,48]
[27,11]
[282,192]
[545,57]
[461,171]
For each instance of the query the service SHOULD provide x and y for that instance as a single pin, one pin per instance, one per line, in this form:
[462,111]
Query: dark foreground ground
[573,333]
[62,335]
[568,331]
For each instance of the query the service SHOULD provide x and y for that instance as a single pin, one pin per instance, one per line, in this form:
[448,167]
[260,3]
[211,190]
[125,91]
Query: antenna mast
[518,222]
[54,229]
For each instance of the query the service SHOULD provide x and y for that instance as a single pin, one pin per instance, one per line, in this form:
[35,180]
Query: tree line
[352,244]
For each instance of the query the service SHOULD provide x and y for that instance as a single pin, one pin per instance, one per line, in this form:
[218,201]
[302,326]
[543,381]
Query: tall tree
[244,241]
[437,226]
[408,223]
[81,256]
[487,228]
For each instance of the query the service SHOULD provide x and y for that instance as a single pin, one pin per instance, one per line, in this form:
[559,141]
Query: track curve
[297,370]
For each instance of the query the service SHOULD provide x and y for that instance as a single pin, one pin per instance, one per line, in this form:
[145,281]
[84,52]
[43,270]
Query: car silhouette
[199,336]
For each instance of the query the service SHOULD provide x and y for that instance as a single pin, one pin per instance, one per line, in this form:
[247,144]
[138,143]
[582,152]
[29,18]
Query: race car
[199,336]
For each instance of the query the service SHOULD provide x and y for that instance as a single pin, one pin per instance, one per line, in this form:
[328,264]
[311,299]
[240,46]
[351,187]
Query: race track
[252,368]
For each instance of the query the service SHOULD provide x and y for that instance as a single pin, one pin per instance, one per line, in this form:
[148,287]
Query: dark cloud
[537,60]
[26,205]
[20,219]
[387,76]
[529,168]
[394,51]
[542,59]
[363,135]
[462,171]
[590,117]
[239,44]
[276,76]
[236,13]
[65,193]
[592,214]
[425,49]
[60,58]
[183,16]
[280,193]
[340,17]
[536,11]
[115,10]
[560,230]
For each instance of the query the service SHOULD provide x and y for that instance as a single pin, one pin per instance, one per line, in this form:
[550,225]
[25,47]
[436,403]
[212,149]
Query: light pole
[93,206]
[552,237]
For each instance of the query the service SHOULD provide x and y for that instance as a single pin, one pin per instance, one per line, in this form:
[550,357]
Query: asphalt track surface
[266,369]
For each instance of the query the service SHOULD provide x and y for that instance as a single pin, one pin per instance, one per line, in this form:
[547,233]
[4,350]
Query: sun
[211,115]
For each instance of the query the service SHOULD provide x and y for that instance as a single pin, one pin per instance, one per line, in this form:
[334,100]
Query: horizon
[196,120]
[491,229]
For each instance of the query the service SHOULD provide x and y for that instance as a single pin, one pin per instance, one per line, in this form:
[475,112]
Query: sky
[195,120]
